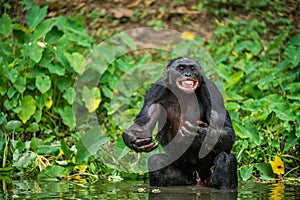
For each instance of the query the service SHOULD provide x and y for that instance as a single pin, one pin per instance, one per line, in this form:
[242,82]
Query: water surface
[29,189]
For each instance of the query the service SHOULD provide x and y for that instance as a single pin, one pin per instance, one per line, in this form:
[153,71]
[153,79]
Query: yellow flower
[186,35]
[277,166]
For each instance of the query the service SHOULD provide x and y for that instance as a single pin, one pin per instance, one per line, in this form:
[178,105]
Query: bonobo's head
[184,73]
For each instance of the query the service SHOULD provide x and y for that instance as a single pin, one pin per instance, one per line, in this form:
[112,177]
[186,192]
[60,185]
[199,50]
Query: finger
[142,141]
[190,126]
[188,132]
[148,147]
[202,124]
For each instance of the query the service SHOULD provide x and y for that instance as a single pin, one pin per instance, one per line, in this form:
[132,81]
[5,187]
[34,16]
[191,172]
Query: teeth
[187,83]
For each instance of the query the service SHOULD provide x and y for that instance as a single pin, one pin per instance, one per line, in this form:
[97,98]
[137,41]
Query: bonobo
[194,129]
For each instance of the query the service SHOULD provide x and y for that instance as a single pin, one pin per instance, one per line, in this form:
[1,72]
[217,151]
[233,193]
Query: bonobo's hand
[137,143]
[189,129]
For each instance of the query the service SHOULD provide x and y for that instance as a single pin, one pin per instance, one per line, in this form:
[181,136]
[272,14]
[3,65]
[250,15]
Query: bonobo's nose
[187,74]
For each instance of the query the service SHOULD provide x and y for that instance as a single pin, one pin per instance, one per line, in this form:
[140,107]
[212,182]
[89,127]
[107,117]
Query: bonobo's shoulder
[157,91]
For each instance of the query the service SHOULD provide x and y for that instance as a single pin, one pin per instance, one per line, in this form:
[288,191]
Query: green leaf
[128,40]
[76,61]
[20,84]
[53,36]
[12,74]
[266,171]
[120,149]
[35,51]
[5,25]
[65,148]
[64,82]
[35,15]
[69,95]
[89,144]
[43,83]
[246,172]
[25,160]
[56,69]
[291,141]
[91,98]
[13,125]
[236,77]
[232,106]
[43,28]
[47,149]
[28,107]
[293,55]
[67,116]
[53,172]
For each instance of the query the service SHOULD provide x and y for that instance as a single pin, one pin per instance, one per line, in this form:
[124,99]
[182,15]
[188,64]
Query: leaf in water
[91,98]
[13,125]
[28,107]
[35,15]
[277,166]
[246,172]
[5,25]
[53,172]
[76,61]
[35,51]
[266,171]
[25,160]
[67,116]
[89,144]
[43,83]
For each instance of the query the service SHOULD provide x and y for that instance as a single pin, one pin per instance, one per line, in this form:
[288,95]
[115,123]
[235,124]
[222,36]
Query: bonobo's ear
[167,69]
[212,99]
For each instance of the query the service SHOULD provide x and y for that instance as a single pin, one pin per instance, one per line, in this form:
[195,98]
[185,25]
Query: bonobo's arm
[139,136]
[222,138]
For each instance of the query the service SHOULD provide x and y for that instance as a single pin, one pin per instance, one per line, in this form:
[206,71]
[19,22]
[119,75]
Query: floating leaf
[53,172]
[5,25]
[43,83]
[246,172]
[28,107]
[266,171]
[277,166]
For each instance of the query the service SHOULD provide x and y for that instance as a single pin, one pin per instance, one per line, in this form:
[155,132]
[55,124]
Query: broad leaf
[35,16]
[43,28]
[91,98]
[67,116]
[35,51]
[28,107]
[5,25]
[43,83]
[246,172]
[53,172]
[13,125]
[76,61]
[266,171]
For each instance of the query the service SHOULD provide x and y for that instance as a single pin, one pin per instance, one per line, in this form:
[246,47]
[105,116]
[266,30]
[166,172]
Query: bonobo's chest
[181,108]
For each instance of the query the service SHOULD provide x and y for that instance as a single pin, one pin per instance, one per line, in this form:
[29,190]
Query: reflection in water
[28,189]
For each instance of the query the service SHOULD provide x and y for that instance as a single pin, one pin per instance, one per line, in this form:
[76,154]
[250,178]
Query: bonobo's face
[185,73]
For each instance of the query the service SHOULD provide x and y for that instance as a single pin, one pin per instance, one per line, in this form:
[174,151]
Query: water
[29,189]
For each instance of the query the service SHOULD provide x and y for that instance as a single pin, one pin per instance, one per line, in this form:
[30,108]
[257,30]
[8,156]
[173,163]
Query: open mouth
[187,85]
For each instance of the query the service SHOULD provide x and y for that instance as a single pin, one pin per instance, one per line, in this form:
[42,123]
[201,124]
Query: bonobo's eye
[180,67]
[193,68]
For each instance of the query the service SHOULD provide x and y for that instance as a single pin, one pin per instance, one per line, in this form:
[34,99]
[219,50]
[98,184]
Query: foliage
[257,57]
